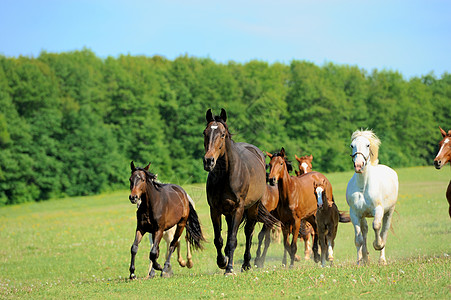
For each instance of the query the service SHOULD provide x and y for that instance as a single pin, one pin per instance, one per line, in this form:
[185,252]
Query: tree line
[70,123]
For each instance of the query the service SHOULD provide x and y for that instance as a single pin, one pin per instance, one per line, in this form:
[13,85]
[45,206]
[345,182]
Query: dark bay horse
[236,184]
[443,157]
[160,207]
[297,202]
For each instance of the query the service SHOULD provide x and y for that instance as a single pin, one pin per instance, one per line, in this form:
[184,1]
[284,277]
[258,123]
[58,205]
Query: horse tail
[344,217]
[265,217]
[193,229]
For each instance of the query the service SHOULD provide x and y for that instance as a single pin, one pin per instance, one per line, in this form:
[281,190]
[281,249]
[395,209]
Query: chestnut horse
[297,202]
[236,184]
[442,158]
[305,164]
[327,218]
[160,207]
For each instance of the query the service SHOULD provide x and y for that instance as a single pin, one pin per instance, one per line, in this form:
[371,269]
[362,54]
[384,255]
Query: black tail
[344,217]
[194,230]
[266,217]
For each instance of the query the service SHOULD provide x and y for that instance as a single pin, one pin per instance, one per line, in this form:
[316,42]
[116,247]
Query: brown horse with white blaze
[443,157]
[297,202]
[236,184]
[305,164]
[160,207]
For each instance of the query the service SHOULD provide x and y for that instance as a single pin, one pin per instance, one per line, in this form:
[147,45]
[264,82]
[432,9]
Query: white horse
[371,192]
[168,236]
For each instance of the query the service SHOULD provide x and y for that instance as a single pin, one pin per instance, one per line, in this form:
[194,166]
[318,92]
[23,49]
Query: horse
[327,217]
[305,164]
[236,184]
[160,207]
[371,192]
[442,158]
[296,202]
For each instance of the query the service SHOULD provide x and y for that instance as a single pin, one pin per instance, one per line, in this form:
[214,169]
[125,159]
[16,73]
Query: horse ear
[282,152]
[297,172]
[297,158]
[442,131]
[209,116]
[132,166]
[147,167]
[223,115]
[269,154]
[311,157]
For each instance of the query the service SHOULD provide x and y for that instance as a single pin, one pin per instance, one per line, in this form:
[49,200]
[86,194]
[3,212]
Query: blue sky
[412,37]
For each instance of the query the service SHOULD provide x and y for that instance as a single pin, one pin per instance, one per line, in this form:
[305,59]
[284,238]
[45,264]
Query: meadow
[80,248]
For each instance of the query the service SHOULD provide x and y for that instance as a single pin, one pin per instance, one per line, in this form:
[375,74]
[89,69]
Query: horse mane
[151,178]
[287,162]
[374,143]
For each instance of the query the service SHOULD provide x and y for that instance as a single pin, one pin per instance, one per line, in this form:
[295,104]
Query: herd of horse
[240,189]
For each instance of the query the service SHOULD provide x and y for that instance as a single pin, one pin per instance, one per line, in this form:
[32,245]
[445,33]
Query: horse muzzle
[134,199]
[358,167]
[438,164]
[209,163]
[272,181]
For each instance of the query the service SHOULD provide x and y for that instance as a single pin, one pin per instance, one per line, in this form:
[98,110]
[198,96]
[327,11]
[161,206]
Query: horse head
[215,135]
[444,154]
[138,181]
[319,188]
[277,166]
[365,147]
[305,164]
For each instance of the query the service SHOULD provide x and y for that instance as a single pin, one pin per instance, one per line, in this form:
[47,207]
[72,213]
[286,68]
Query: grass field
[80,248]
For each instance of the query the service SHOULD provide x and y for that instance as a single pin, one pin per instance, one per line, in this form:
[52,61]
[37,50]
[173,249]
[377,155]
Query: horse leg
[189,257]
[312,221]
[286,243]
[267,243]
[322,242]
[151,272]
[384,232]
[167,270]
[134,250]
[258,258]
[249,232]
[221,261]
[331,243]
[359,240]
[294,247]
[233,224]
[378,243]
[155,251]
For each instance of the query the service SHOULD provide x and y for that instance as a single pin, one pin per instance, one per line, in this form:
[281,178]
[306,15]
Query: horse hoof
[151,274]
[182,263]
[378,246]
[132,276]
[166,274]
[382,262]
[297,258]
[189,264]
[245,268]
[223,264]
[229,273]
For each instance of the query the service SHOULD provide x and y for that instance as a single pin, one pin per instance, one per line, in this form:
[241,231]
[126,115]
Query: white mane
[374,143]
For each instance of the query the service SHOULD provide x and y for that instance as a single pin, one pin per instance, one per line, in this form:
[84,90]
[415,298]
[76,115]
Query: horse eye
[368,146]
[223,135]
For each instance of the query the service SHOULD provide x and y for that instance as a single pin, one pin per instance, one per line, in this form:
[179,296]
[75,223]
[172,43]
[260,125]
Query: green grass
[80,248]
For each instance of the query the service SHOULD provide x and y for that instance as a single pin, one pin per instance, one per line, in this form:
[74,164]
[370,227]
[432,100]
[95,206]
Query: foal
[327,216]
[160,207]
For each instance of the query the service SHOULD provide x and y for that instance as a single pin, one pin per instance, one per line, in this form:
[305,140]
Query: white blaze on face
[319,193]
[305,167]
[446,141]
